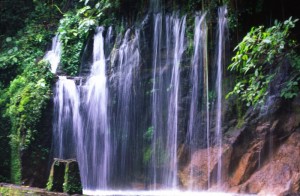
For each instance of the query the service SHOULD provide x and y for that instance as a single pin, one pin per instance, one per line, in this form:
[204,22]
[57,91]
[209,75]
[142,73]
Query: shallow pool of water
[154,193]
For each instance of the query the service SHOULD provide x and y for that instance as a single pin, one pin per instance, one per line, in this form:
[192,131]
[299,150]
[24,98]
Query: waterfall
[199,84]
[94,155]
[134,90]
[53,56]
[222,22]
[165,96]
[67,120]
[157,113]
[172,130]
[124,77]
[108,41]
[155,5]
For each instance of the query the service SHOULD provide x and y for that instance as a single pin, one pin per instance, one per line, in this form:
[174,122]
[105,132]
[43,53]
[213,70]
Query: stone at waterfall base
[65,177]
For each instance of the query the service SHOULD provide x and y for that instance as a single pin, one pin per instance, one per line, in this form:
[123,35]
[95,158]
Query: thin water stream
[222,22]
[53,55]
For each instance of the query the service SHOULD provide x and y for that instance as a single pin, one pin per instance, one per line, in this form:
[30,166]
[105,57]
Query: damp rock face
[261,157]
[283,169]
[266,160]
[64,177]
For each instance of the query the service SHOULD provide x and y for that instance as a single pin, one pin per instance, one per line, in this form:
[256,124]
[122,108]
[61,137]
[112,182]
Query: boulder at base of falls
[65,177]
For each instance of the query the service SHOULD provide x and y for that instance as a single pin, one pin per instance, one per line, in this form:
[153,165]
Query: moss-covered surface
[8,190]
[64,177]
[72,183]
[15,175]
[56,178]
[25,90]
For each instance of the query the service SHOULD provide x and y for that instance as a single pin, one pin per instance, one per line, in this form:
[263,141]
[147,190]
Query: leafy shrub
[24,101]
[256,60]
[75,28]
[72,36]
[22,51]
[24,84]
[291,87]
[27,96]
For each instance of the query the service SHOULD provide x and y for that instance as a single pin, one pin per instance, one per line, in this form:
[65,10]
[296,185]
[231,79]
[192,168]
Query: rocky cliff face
[262,157]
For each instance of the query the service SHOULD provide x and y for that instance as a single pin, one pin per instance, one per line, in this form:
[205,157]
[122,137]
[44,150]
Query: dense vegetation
[25,84]
[28,26]
[76,26]
[26,81]
[258,60]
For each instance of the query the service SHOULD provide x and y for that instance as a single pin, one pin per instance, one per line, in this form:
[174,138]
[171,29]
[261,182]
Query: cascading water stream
[206,92]
[53,56]
[127,67]
[172,130]
[108,41]
[155,5]
[198,76]
[165,98]
[157,118]
[222,22]
[94,155]
[66,117]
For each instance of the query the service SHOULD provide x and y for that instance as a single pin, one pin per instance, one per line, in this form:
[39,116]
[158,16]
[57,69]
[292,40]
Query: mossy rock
[56,178]
[64,177]
[72,183]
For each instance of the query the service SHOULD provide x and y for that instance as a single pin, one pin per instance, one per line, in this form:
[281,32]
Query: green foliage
[50,182]
[147,155]
[149,134]
[147,152]
[28,95]
[4,191]
[15,173]
[55,179]
[291,87]
[24,84]
[257,56]
[291,90]
[24,101]
[29,43]
[72,182]
[22,51]
[102,3]
[76,26]
[72,35]
[64,176]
